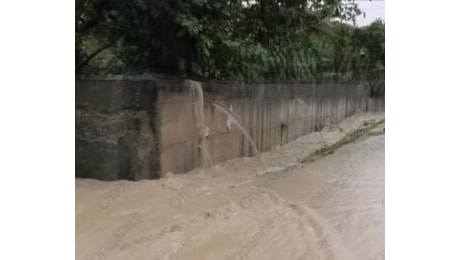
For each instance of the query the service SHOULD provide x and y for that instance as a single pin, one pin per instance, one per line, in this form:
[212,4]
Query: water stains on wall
[142,128]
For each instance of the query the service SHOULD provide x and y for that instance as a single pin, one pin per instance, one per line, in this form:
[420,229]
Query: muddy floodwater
[333,208]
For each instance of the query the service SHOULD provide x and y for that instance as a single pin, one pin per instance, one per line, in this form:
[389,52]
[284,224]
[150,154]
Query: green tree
[228,39]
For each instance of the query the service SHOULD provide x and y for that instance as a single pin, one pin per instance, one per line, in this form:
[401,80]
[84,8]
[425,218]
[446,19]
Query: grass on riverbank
[348,138]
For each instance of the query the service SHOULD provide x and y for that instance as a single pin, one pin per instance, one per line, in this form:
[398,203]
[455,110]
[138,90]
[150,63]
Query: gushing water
[238,123]
[196,91]
[309,212]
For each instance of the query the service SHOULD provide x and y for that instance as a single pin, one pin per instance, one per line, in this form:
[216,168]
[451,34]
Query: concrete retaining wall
[141,128]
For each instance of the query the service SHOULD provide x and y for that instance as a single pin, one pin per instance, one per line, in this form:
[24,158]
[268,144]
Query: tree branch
[94,54]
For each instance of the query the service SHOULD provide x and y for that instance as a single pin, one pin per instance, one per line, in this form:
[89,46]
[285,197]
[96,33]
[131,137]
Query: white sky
[373,9]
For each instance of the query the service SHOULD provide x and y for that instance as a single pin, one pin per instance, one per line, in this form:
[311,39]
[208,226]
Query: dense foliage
[228,39]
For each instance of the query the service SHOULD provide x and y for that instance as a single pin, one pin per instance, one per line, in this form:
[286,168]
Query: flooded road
[332,208]
[345,191]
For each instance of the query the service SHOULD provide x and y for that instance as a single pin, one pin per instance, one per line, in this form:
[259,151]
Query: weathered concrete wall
[144,128]
[116,129]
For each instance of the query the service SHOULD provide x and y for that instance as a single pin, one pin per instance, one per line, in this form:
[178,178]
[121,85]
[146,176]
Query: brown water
[330,209]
